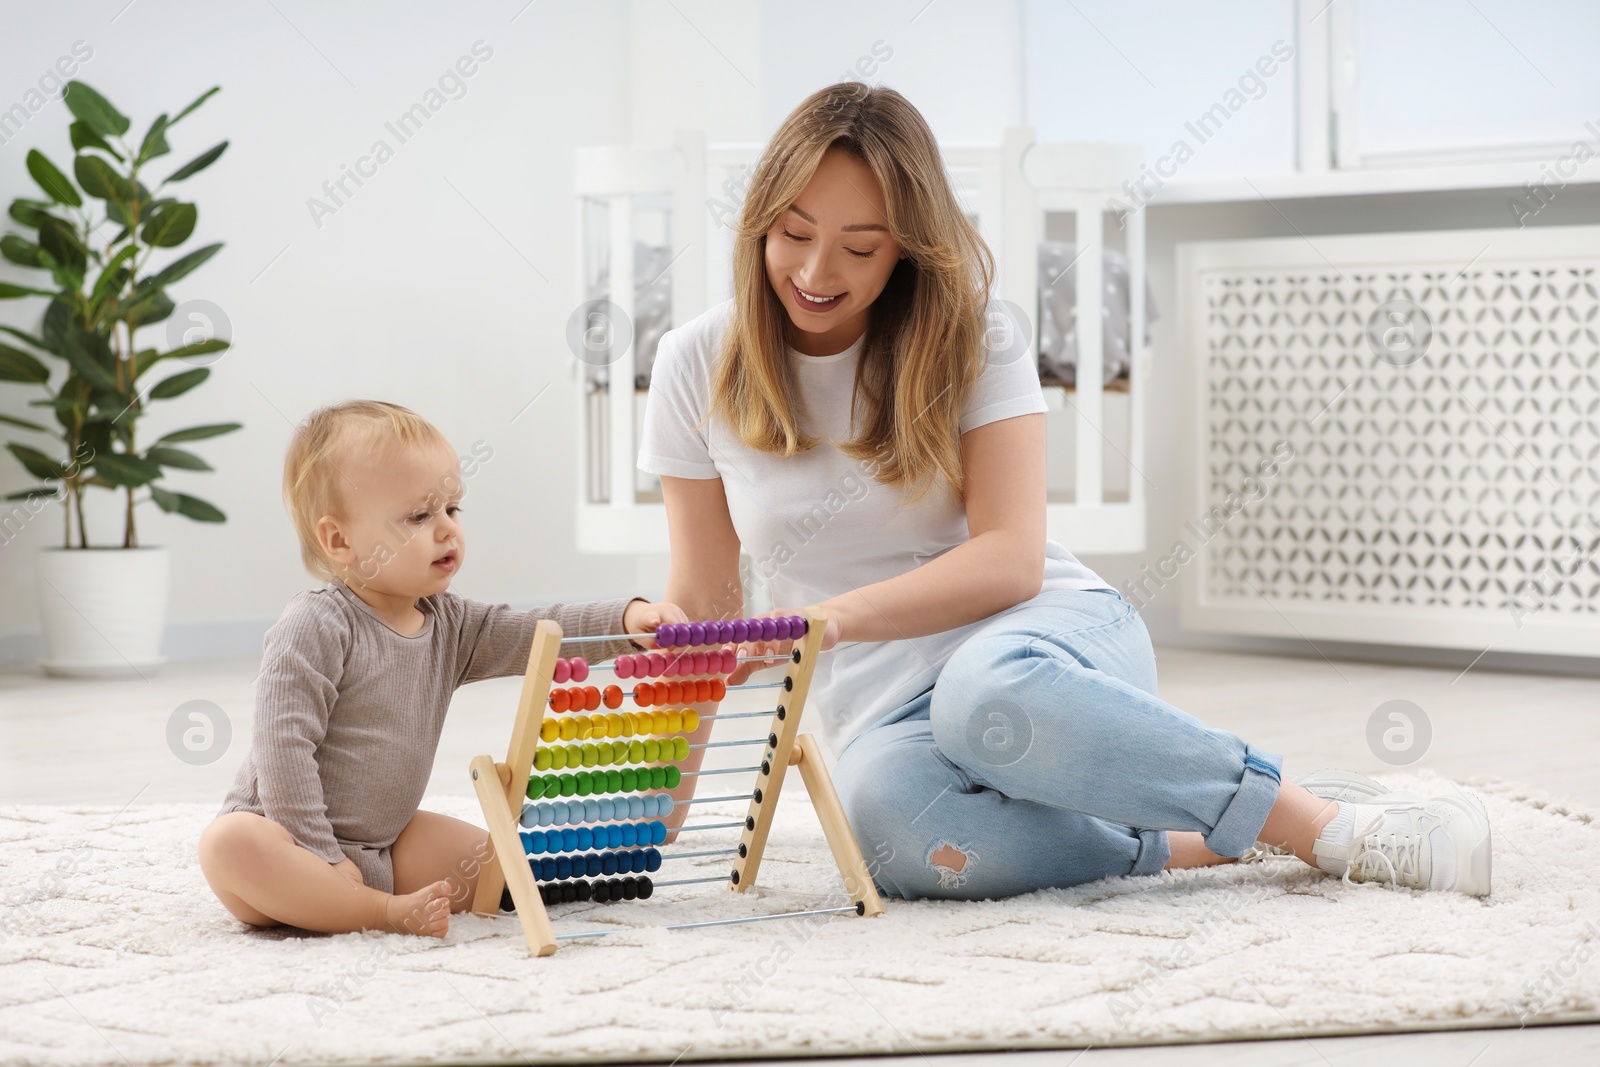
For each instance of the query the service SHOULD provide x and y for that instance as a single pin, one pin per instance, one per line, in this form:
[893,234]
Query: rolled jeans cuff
[1154,852]
[1246,814]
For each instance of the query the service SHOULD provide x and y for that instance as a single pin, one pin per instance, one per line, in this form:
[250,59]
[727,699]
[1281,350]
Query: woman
[868,425]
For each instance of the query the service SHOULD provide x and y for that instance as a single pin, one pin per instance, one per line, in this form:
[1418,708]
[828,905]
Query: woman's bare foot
[425,912]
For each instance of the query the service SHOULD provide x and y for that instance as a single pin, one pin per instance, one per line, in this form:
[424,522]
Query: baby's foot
[425,912]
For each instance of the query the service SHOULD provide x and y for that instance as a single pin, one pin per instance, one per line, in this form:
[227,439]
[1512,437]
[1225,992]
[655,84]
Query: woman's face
[832,243]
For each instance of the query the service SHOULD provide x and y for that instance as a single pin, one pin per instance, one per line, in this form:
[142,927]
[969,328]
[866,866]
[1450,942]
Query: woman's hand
[830,637]
[640,617]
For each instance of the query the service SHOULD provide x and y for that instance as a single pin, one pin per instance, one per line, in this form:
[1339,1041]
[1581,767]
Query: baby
[321,829]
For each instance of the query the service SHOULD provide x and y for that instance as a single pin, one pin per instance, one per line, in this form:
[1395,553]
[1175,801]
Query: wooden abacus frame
[502,787]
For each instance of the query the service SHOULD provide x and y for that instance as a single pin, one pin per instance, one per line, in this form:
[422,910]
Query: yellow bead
[691,720]
[549,730]
[603,753]
[674,721]
[636,751]
[613,725]
[590,755]
[569,729]
[652,750]
[541,759]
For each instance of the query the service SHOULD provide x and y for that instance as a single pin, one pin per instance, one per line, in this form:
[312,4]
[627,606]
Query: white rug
[112,950]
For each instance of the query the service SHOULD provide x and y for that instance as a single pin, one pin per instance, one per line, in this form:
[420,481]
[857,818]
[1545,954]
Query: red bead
[702,690]
[558,700]
[591,698]
[612,697]
[659,694]
[719,689]
[642,694]
[674,693]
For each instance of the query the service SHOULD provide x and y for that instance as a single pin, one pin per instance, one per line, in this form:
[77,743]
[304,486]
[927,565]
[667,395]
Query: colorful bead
[719,689]
[562,673]
[580,668]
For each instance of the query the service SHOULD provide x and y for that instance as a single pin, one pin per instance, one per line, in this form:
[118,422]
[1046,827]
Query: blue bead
[639,860]
[536,842]
[630,836]
[652,859]
[585,837]
[593,865]
[569,840]
[564,867]
[658,833]
[608,863]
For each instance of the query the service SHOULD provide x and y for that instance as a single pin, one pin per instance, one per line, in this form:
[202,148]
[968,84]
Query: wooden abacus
[621,762]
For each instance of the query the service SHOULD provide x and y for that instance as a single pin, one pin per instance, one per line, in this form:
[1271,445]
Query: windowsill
[1369,182]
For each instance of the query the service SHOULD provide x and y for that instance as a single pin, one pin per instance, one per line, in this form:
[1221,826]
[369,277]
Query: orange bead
[558,700]
[612,697]
[674,693]
[642,694]
[591,698]
[702,689]
[661,692]
[719,689]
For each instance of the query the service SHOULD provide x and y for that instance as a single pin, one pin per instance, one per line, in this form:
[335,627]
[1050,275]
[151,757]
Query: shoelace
[1397,853]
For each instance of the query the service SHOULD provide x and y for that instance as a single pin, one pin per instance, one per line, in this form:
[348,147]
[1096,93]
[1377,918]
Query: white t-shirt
[816,524]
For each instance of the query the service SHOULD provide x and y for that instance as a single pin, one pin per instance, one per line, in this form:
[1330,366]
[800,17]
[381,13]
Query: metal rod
[719,922]
[611,664]
[718,770]
[730,744]
[691,855]
[629,638]
[709,826]
[720,715]
[713,800]
[687,881]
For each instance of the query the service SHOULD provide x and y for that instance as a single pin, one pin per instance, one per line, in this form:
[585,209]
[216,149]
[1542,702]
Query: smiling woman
[990,700]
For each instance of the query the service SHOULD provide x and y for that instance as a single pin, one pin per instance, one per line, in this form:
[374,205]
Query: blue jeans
[1041,757]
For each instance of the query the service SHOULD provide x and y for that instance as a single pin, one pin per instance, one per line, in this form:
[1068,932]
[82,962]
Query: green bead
[630,780]
[652,750]
[585,782]
[680,748]
[635,751]
[558,757]
[552,786]
[658,777]
[587,755]
[613,781]
[569,785]
[603,753]
[535,788]
[541,759]
[673,777]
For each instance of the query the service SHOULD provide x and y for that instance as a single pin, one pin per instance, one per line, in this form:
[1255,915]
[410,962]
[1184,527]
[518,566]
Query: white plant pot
[103,610]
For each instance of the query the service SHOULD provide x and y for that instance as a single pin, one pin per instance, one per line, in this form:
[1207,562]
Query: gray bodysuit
[348,713]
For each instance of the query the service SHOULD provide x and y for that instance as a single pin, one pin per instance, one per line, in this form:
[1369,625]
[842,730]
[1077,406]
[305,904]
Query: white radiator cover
[1450,499]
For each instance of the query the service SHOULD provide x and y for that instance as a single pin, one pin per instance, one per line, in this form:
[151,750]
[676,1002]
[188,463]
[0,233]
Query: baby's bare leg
[264,877]
[434,847]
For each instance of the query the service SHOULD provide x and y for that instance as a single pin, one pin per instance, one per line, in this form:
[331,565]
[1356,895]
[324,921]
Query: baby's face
[402,523]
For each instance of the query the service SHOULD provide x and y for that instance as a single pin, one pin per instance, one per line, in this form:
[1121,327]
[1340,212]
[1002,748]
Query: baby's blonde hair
[311,473]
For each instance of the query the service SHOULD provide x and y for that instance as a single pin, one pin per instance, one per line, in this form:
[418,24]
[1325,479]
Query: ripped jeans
[1042,757]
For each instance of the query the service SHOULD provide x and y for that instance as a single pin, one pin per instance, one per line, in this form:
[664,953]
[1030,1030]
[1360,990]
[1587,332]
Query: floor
[180,734]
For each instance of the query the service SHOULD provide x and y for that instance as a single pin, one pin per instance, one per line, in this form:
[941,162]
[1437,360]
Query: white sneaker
[1330,784]
[1436,843]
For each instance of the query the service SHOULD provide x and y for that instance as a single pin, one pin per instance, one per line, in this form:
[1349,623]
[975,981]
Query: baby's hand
[642,618]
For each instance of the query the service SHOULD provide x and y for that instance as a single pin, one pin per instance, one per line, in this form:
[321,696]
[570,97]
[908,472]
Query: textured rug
[112,950]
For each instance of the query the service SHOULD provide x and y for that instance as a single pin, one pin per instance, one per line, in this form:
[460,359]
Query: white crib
[676,205]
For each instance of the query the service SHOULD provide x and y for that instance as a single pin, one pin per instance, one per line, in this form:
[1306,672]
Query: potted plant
[103,608]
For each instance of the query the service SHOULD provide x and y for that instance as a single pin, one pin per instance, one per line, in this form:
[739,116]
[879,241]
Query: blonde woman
[866,424]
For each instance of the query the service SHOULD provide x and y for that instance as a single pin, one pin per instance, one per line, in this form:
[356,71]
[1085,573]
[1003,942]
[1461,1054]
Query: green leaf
[61,241]
[51,180]
[30,212]
[90,355]
[127,471]
[155,142]
[153,307]
[94,110]
[84,137]
[28,337]
[11,420]
[180,267]
[199,433]
[19,366]
[198,163]
[37,463]
[12,292]
[22,253]
[188,506]
[169,225]
[149,357]
[202,98]
[179,384]
[29,494]
[100,179]
[113,277]
[177,458]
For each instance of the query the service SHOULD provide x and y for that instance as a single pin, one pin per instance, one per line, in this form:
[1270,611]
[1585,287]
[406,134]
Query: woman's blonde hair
[923,349]
[311,475]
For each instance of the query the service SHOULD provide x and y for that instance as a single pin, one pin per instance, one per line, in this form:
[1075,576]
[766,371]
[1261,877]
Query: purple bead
[724,631]
[769,629]
[741,630]
[667,634]
[697,633]
[780,627]
[797,626]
